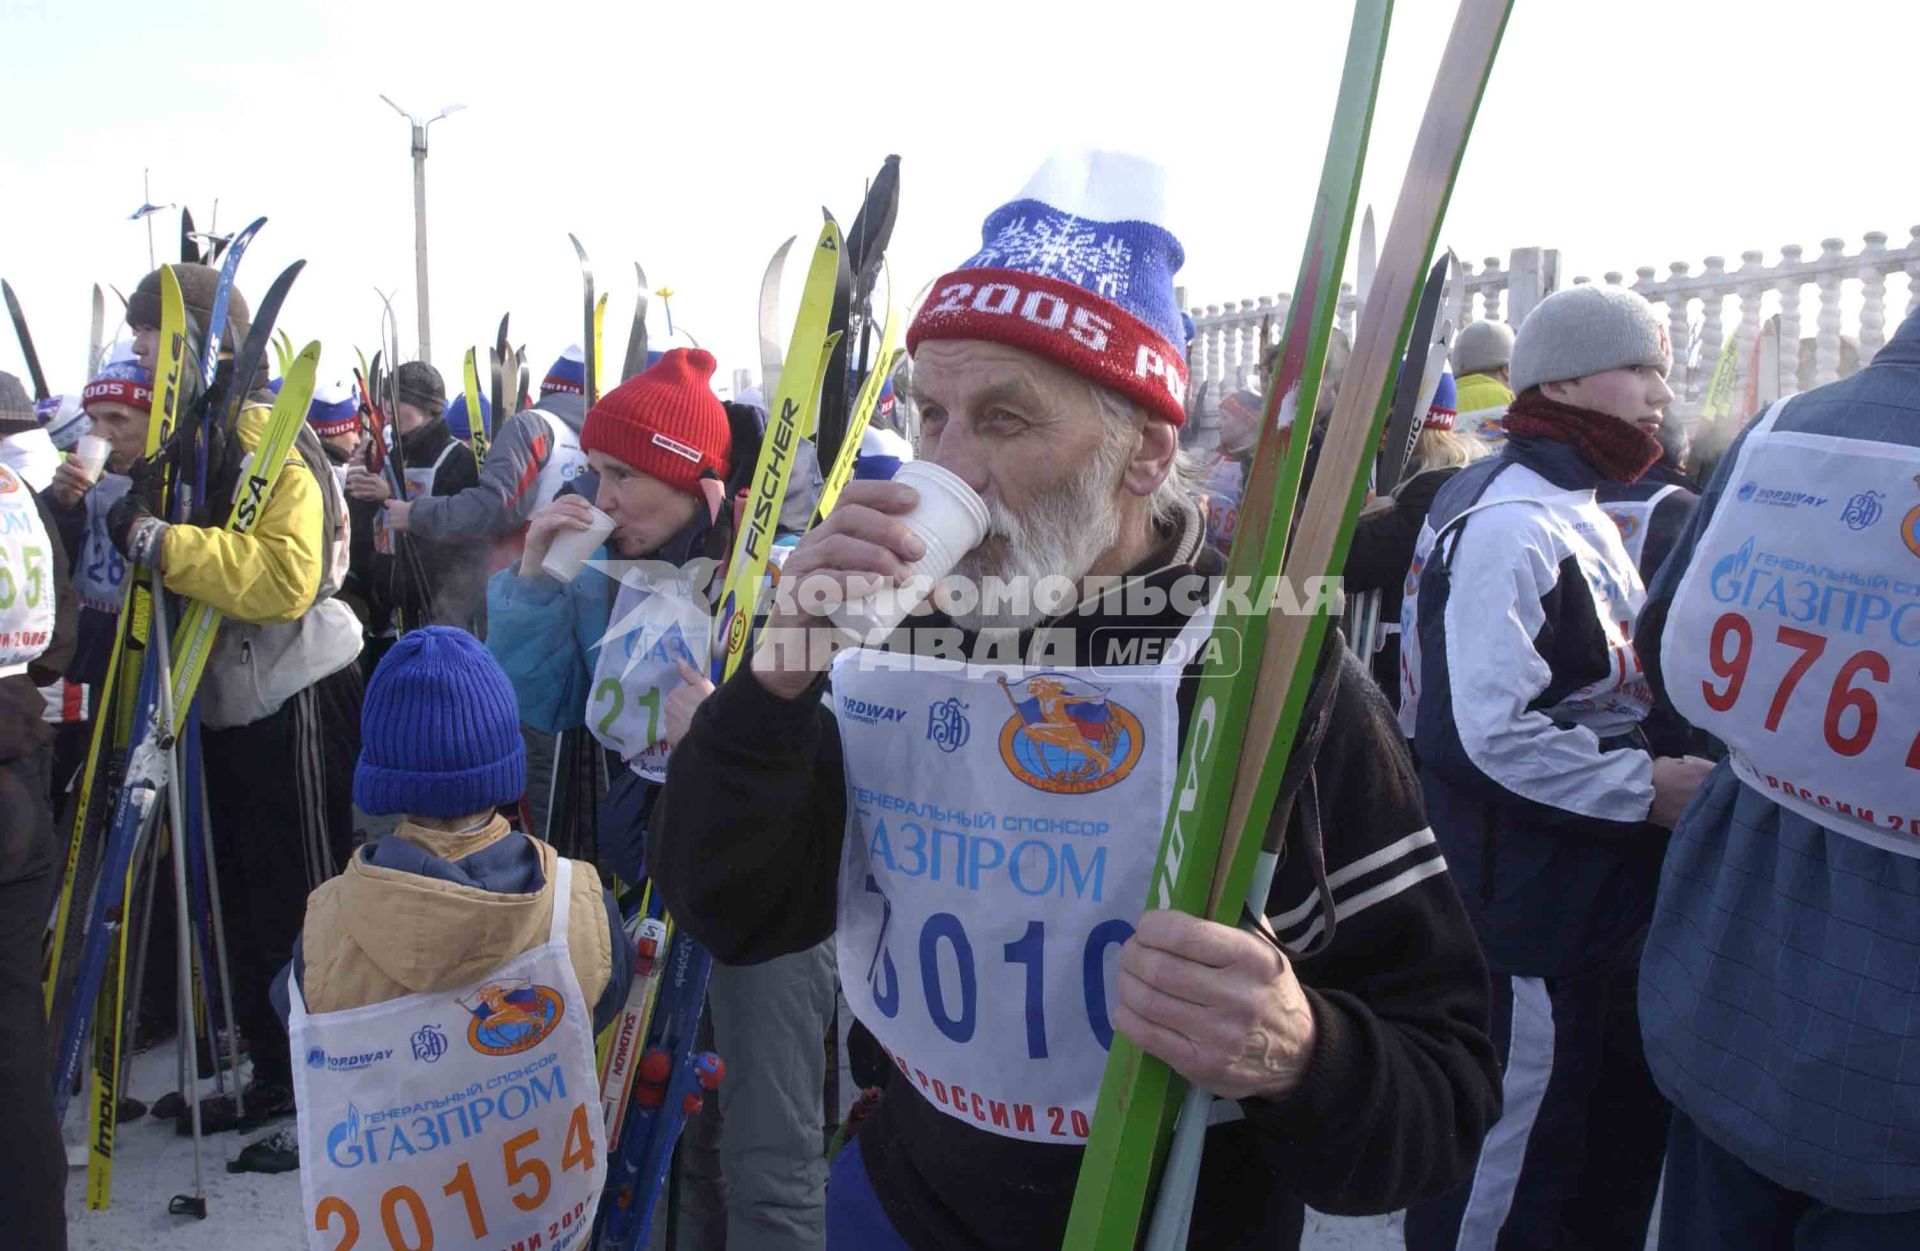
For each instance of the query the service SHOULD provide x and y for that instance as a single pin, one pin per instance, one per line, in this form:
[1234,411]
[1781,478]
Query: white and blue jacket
[1522,695]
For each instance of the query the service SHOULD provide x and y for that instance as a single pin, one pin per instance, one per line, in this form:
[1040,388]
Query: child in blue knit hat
[454,955]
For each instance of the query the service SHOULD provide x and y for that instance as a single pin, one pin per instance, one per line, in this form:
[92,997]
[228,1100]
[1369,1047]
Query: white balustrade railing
[1229,338]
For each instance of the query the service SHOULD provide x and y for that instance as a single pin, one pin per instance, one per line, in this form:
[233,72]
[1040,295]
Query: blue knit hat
[1445,405]
[457,423]
[439,730]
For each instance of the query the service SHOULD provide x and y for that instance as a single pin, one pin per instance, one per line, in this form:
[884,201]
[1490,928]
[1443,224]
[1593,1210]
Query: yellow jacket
[269,575]
[374,934]
[1480,393]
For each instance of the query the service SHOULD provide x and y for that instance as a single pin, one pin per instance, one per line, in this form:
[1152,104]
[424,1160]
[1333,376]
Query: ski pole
[1180,1179]
[220,948]
[196,1203]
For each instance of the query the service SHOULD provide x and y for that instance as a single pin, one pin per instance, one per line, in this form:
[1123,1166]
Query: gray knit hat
[419,384]
[1482,348]
[1588,330]
[16,410]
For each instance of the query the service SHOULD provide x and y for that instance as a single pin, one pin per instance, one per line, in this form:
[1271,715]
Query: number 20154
[1730,647]
[529,1181]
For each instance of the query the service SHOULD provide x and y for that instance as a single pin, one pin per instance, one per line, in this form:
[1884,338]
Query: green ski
[1206,862]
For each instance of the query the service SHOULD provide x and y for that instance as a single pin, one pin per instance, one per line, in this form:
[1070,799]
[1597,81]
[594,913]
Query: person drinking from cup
[88,483]
[609,646]
[978,839]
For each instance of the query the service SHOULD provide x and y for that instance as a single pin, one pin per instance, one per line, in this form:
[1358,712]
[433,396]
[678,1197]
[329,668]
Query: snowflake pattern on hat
[1078,268]
[1061,245]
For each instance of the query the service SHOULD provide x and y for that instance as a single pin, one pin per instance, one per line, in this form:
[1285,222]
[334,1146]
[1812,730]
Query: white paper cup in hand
[950,519]
[570,548]
[92,451]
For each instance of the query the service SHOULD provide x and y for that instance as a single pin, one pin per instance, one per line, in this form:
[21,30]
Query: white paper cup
[92,451]
[950,519]
[570,548]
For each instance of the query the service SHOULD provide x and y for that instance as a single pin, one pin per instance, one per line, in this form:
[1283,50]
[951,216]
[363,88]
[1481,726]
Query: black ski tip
[188,1205]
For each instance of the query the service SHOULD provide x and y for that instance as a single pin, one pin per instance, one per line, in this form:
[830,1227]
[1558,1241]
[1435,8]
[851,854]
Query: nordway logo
[870,714]
[317,1058]
[1777,497]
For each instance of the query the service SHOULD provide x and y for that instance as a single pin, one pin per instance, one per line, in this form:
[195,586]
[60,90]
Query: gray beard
[1059,536]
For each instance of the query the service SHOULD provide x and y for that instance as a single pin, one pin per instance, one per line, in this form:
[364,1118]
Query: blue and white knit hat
[568,374]
[1078,268]
[334,409]
[65,419]
[458,424]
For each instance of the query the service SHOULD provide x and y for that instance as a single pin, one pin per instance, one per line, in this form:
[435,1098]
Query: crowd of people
[1594,856]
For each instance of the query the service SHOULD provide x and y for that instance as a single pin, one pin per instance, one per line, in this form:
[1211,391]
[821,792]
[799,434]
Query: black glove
[132,522]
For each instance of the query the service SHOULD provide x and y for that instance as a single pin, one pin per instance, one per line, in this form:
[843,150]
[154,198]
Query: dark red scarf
[1617,448]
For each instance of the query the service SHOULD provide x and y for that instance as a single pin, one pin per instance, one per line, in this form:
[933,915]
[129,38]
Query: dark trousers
[1713,1202]
[1574,1160]
[33,1163]
[280,796]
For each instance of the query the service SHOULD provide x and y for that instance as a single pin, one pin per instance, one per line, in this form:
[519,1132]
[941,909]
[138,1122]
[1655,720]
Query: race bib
[1003,828]
[101,570]
[467,1118]
[26,577]
[660,619]
[419,483]
[1634,518]
[565,462]
[1618,698]
[1795,638]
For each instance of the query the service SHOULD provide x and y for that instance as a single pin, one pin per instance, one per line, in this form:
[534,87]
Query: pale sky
[695,137]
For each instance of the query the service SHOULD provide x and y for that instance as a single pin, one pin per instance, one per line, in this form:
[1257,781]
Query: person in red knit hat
[659,448]
[610,650]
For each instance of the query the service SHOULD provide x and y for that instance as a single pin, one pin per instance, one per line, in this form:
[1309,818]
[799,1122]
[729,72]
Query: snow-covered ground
[249,1212]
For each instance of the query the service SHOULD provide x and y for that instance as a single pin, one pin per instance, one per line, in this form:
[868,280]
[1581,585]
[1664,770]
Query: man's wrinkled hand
[1220,1005]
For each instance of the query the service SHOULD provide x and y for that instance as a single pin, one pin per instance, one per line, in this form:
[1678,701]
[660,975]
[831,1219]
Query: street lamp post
[420,210]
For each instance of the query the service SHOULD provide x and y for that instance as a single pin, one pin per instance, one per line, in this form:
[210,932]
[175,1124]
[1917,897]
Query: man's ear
[1555,391]
[1153,459]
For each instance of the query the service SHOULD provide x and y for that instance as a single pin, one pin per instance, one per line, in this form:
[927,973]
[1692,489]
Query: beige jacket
[375,934]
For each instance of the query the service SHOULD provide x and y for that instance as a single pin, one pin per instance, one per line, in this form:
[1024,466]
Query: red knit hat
[666,422]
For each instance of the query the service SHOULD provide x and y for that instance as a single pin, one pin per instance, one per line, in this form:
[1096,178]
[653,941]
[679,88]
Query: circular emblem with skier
[510,1017]
[8,483]
[1628,523]
[1910,529]
[1066,737]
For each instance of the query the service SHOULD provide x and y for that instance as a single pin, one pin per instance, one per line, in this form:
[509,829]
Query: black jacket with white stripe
[1402,1085]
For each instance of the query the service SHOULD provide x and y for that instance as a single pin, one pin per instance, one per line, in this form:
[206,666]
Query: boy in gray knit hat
[1588,330]
[1520,689]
